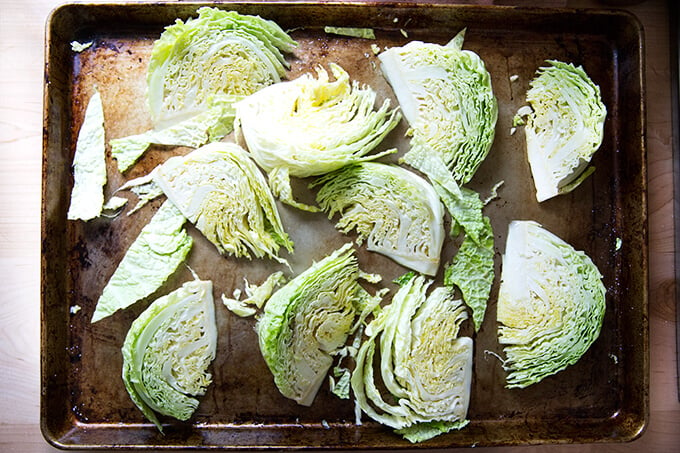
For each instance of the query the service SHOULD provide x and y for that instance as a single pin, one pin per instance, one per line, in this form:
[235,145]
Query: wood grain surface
[21,95]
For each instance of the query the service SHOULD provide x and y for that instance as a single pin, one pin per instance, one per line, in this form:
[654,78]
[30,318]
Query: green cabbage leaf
[312,126]
[564,129]
[167,352]
[396,211]
[472,268]
[446,96]
[89,164]
[155,254]
[308,320]
[424,368]
[551,304]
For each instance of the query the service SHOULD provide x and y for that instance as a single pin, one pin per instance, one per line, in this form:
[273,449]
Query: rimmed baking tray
[604,397]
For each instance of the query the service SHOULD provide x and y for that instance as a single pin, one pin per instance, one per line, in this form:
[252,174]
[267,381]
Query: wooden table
[21,89]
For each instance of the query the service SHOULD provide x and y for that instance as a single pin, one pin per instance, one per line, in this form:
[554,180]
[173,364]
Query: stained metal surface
[604,397]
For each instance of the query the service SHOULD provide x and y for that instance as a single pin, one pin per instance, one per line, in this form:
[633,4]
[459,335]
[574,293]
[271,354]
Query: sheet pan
[603,398]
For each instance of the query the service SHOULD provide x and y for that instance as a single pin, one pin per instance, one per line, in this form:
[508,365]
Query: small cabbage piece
[218,52]
[551,304]
[565,128]
[395,210]
[256,296]
[425,368]
[167,352]
[310,127]
[446,96]
[89,164]
[308,320]
[223,193]
[354,32]
[156,253]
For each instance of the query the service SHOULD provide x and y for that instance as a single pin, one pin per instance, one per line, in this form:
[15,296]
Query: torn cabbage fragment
[89,164]
[160,248]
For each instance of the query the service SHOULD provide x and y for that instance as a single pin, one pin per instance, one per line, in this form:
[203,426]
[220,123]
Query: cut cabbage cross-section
[167,352]
[564,129]
[395,210]
[308,320]
[551,304]
[310,127]
[425,368]
[221,191]
[446,96]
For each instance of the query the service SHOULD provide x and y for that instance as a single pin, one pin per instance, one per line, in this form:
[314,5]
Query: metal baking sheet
[602,398]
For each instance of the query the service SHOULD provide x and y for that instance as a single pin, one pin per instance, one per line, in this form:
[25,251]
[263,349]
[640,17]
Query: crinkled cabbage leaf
[551,304]
[312,126]
[160,248]
[167,352]
[446,96]
[564,129]
[472,268]
[89,164]
[424,368]
[472,271]
[396,211]
[222,192]
[308,320]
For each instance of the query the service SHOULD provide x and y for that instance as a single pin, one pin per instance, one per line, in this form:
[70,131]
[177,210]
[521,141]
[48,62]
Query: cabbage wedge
[308,320]
[223,193]
[446,96]
[395,210]
[425,368]
[551,304]
[167,352]
[310,127]
[198,69]
[564,129]
[218,52]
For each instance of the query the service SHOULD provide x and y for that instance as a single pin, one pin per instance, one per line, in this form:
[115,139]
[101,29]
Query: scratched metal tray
[604,397]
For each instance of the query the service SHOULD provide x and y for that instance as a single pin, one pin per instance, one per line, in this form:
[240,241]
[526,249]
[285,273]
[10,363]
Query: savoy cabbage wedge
[221,191]
[89,164]
[551,304]
[308,320]
[396,211]
[312,126]
[158,250]
[167,352]
[564,129]
[198,69]
[424,367]
[446,96]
